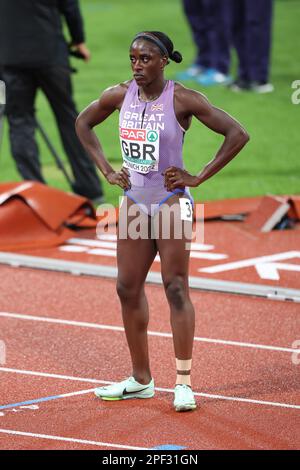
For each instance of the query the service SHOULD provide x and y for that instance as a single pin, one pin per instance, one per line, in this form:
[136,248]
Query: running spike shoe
[128,388]
[184,398]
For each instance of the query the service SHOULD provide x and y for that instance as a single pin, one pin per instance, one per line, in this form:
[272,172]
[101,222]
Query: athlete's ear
[164,61]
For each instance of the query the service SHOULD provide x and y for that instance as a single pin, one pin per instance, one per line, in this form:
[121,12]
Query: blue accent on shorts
[176,191]
[132,199]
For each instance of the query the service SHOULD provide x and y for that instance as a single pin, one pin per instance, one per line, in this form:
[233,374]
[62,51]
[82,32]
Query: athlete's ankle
[183,372]
[143,379]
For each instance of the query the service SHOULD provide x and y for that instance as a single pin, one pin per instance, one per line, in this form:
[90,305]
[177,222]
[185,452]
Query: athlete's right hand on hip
[120,178]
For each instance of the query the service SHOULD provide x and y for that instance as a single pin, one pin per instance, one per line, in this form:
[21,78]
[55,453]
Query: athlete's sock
[183,372]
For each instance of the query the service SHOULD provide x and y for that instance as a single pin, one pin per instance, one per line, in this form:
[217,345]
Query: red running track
[228,242]
[266,377]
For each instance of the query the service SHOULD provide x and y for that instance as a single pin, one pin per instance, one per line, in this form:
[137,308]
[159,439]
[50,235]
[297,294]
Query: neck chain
[152,98]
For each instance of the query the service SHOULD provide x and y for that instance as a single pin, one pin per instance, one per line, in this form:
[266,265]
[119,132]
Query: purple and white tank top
[151,137]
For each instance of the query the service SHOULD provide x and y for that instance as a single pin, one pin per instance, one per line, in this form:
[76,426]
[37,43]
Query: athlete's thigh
[173,240]
[135,248]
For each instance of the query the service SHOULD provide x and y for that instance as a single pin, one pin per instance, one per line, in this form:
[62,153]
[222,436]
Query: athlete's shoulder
[182,91]
[188,98]
[115,94]
[117,90]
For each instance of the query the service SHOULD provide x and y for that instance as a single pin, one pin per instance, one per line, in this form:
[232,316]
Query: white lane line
[102,251]
[69,439]
[113,253]
[211,256]
[250,262]
[53,376]
[111,242]
[240,399]
[73,249]
[108,248]
[92,243]
[104,236]
[98,326]
[44,399]
[164,390]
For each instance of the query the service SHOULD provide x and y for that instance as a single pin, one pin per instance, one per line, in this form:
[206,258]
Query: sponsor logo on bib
[152,136]
[140,149]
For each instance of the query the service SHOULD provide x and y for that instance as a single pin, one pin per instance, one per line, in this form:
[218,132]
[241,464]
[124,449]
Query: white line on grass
[150,333]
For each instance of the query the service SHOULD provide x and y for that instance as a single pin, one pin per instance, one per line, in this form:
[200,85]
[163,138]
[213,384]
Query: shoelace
[182,389]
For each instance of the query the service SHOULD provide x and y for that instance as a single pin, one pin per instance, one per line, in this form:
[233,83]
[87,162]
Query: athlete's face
[147,63]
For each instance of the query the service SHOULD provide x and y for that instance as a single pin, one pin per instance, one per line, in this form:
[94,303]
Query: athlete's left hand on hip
[178,178]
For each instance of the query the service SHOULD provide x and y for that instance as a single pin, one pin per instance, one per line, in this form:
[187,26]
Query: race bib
[140,149]
[186,209]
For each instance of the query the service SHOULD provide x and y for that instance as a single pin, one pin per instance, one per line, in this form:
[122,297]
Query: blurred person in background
[34,55]
[2,106]
[210,22]
[251,34]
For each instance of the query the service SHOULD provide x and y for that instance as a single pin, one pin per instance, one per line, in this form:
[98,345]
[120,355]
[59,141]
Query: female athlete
[155,113]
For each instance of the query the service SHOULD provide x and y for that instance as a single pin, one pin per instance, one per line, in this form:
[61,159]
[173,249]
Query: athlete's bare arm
[189,103]
[94,114]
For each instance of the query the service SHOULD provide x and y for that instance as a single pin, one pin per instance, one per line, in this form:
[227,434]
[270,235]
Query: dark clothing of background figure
[252,32]
[34,55]
[2,106]
[210,22]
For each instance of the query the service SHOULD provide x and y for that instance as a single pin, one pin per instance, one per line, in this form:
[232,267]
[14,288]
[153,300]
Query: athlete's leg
[134,257]
[174,254]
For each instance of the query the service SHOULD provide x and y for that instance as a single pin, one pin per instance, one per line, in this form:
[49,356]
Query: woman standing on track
[155,113]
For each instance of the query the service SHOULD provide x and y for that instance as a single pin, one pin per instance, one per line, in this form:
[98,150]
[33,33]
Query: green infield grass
[269,163]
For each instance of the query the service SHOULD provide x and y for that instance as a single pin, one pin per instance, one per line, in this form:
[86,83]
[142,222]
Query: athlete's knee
[176,291]
[128,292]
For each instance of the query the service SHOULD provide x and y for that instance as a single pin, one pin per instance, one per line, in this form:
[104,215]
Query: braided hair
[163,42]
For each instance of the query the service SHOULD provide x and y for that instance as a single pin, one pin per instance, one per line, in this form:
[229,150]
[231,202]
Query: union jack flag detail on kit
[157,107]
